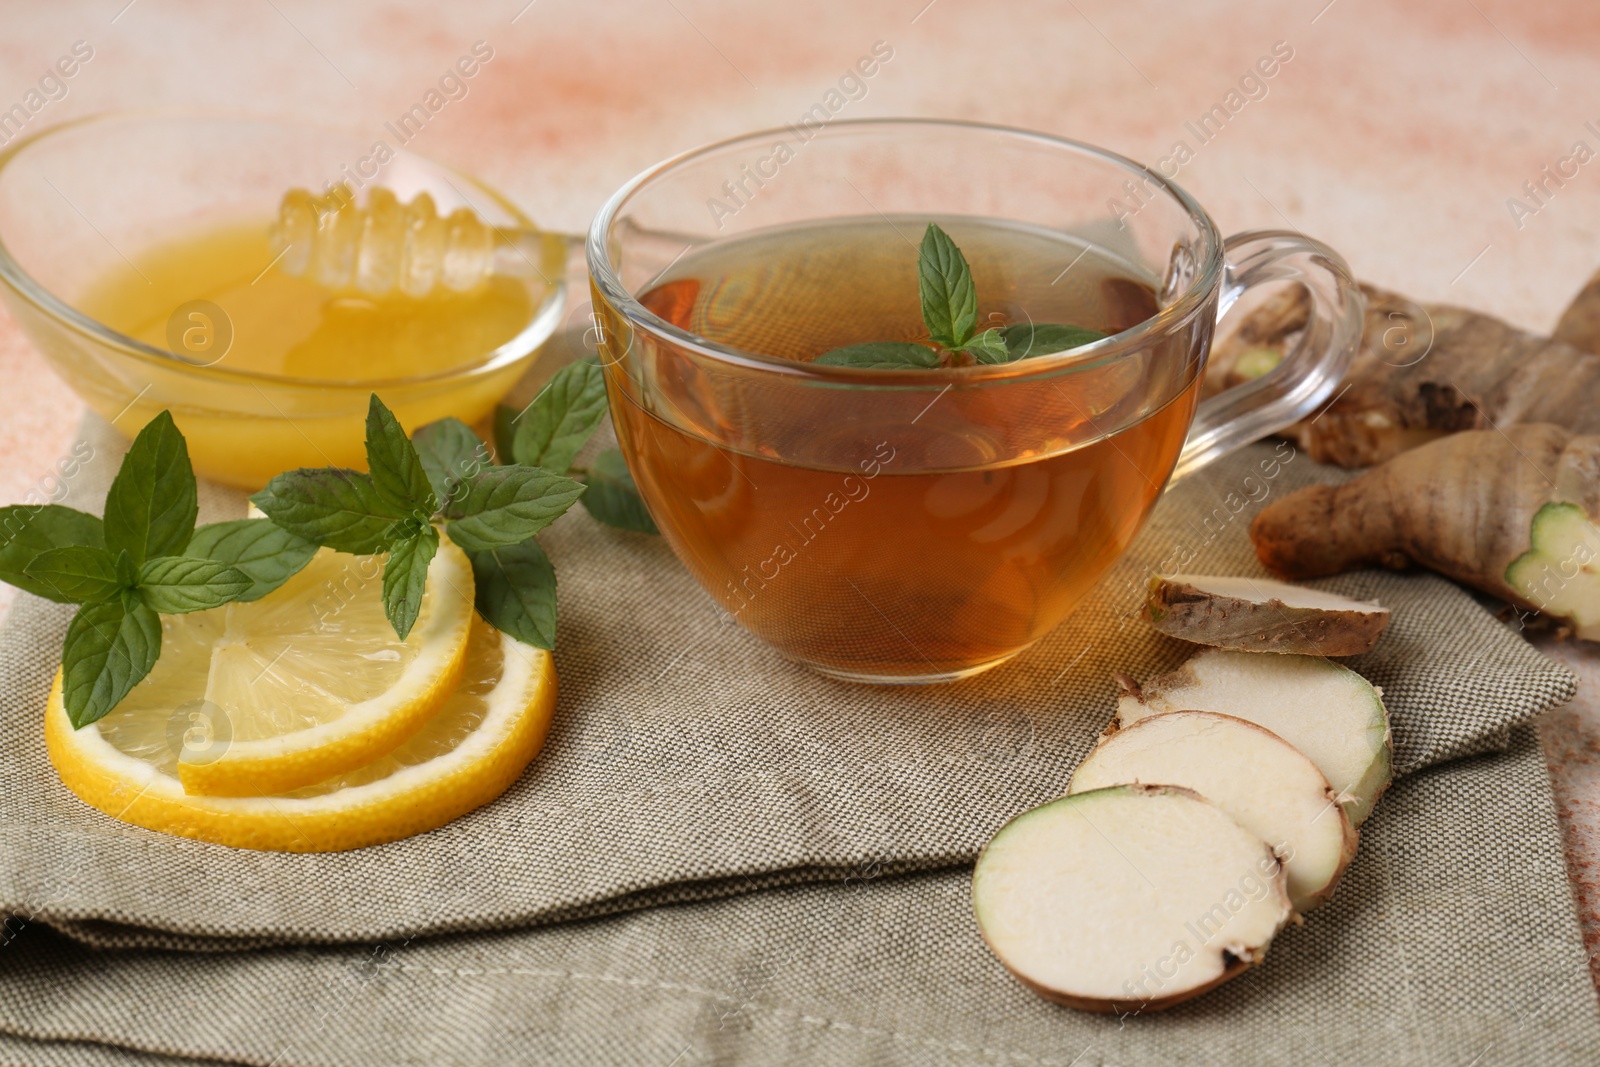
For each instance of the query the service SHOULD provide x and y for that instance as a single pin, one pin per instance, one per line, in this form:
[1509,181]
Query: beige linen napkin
[1452,941]
[689,760]
[689,764]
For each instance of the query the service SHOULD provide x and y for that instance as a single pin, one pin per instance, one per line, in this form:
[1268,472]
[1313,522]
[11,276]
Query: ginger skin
[1461,505]
[1423,371]
[1580,323]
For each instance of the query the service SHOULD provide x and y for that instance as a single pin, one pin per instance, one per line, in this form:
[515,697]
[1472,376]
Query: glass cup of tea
[915,525]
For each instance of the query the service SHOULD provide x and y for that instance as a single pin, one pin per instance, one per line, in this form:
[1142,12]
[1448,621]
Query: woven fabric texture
[687,760]
[1452,940]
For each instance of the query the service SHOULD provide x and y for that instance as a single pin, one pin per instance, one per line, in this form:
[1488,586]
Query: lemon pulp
[482,737]
[256,698]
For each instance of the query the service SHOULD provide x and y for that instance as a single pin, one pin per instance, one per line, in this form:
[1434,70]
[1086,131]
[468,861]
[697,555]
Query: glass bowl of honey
[260,278]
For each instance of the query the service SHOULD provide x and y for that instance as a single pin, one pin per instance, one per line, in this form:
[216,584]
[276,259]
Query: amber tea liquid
[880,537]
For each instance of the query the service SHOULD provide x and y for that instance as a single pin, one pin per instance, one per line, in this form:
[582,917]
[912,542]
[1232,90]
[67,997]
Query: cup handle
[1308,375]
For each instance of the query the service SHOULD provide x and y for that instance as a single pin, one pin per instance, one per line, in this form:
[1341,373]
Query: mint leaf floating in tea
[988,347]
[552,429]
[881,355]
[614,499]
[1026,339]
[949,299]
[517,592]
[950,314]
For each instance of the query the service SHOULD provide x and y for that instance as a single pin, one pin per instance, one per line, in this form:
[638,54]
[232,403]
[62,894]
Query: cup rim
[526,340]
[1097,354]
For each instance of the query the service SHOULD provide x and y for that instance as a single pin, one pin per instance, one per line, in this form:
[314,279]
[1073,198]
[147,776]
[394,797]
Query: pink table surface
[1395,132]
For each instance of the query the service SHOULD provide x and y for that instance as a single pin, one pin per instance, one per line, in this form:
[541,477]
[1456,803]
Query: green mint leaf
[613,498]
[949,300]
[507,505]
[505,433]
[127,570]
[988,347]
[29,529]
[176,585]
[395,467]
[552,429]
[1027,339]
[405,577]
[77,574]
[342,509]
[266,553]
[451,453]
[516,592]
[152,504]
[110,647]
[881,355]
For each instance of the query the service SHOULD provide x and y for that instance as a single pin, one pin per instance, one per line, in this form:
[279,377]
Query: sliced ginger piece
[1263,615]
[1256,777]
[1131,898]
[1327,711]
[1561,572]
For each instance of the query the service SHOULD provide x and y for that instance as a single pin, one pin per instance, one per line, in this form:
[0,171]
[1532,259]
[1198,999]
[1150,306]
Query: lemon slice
[307,682]
[467,754]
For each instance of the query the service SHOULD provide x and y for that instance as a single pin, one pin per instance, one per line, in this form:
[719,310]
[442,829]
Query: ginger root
[1425,370]
[1580,323]
[1509,512]
[1261,340]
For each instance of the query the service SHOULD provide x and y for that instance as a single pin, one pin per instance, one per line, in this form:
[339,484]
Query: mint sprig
[441,479]
[143,560]
[111,645]
[506,506]
[153,502]
[516,592]
[950,314]
[27,532]
[146,558]
[397,508]
[451,454]
[551,430]
[261,550]
[949,299]
[613,498]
